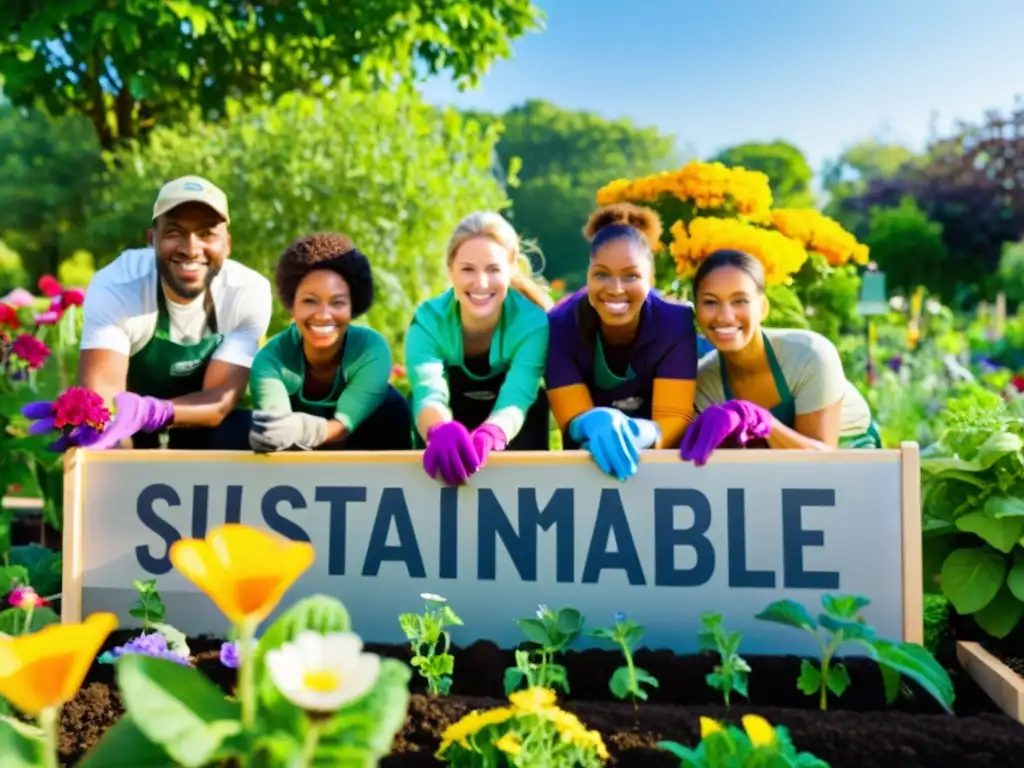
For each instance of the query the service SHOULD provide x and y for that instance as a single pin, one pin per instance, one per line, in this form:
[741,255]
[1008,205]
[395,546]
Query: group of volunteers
[173,335]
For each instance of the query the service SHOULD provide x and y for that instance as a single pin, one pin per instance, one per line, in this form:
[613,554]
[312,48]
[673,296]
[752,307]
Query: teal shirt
[279,373]
[519,349]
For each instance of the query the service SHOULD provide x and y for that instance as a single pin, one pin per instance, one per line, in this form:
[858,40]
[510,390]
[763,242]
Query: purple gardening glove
[712,427]
[487,438]
[132,413]
[450,452]
[757,421]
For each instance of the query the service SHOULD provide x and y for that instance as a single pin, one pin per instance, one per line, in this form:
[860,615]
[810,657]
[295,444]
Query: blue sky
[822,74]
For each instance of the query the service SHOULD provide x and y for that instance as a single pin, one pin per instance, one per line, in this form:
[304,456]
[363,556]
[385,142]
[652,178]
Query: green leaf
[1004,506]
[370,725]
[838,679]
[971,578]
[1015,578]
[810,678]
[12,576]
[534,630]
[12,621]
[852,630]
[1003,533]
[19,750]
[844,606]
[891,682]
[123,745]
[177,707]
[643,676]
[913,661]
[1001,616]
[569,621]
[790,613]
[619,682]
[512,679]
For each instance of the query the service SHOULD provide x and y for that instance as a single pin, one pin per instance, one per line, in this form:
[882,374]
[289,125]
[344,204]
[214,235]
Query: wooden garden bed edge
[1004,686]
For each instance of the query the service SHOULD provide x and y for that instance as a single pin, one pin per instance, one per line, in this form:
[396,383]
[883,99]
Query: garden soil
[858,730]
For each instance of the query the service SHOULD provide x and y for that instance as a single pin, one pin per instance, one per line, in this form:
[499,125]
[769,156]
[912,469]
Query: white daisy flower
[322,673]
[430,597]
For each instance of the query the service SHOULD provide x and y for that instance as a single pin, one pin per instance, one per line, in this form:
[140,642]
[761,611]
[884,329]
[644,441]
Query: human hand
[450,453]
[280,431]
[611,438]
[487,438]
[712,427]
[132,413]
[756,422]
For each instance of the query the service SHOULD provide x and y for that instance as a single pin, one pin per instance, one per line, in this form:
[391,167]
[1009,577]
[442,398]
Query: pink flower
[398,371]
[19,297]
[49,286]
[31,350]
[9,317]
[72,297]
[25,598]
[80,406]
[49,317]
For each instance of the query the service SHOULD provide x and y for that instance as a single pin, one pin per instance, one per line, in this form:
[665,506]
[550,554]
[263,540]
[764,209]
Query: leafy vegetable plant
[626,681]
[424,632]
[552,632]
[973,498]
[732,671]
[841,622]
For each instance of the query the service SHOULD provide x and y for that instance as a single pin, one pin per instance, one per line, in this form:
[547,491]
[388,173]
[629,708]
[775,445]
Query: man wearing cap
[169,332]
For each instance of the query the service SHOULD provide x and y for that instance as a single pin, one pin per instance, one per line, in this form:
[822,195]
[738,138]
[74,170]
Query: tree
[856,167]
[129,66]
[785,165]
[1011,271]
[562,158]
[385,168]
[908,247]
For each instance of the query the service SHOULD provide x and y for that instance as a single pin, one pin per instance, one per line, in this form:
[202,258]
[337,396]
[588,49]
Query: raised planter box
[858,729]
[1002,683]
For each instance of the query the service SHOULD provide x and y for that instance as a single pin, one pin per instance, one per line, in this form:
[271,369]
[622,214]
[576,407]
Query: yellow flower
[243,570]
[533,699]
[821,234]
[471,724]
[510,744]
[759,731]
[709,726]
[46,668]
[780,256]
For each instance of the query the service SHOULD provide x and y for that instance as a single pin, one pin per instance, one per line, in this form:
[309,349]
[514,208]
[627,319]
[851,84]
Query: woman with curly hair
[766,387]
[475,354]
[323,382]
[622,361]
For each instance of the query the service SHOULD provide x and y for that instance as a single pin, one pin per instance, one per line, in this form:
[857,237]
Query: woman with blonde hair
[475,354]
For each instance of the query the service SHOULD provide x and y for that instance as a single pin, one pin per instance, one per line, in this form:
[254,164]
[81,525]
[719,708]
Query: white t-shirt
[813,370]
[120,309]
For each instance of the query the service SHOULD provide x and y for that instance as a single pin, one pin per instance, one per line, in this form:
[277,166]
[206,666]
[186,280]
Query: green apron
[785,410]
[166,369]
[326,407]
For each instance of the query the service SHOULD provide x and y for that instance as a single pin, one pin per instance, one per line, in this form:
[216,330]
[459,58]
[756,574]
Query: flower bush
[757,744]
[809,259]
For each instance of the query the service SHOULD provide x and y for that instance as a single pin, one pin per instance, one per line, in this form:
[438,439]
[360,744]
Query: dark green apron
[325,407]
[785,410]
[166,369]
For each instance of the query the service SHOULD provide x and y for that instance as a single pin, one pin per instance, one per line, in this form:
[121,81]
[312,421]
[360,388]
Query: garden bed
[858,730]
[996,665]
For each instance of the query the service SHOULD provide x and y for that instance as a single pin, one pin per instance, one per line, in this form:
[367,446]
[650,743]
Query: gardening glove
[40,413]
[450,453]
[132,413]
[756,421]
[487,438]
[272,432]
[613,439]
[712,427]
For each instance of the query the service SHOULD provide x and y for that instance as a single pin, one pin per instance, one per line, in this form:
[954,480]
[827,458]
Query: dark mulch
[859,730]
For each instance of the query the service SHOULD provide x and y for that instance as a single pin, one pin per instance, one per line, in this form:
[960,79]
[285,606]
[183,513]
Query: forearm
[206,408]
[672,430]
[784,438]
[430,416]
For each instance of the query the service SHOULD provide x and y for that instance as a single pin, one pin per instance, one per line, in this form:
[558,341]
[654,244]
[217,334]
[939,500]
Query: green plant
[626,681]
[973,499]
[149,607]
[841,622]
[758,745]
[424,632]
[552,632]
[731,673]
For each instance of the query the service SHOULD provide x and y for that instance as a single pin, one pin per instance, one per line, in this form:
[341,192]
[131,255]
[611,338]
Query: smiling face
[730,308]
[323,309]
[191,243]
[618,281]
[480,272]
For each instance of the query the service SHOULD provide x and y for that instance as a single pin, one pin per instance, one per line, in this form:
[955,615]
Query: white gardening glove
[280,431]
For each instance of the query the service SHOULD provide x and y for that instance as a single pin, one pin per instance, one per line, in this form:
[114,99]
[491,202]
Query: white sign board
[675,540]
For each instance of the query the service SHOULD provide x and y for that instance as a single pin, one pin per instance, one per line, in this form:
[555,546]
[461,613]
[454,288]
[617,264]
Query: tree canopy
[128,66]
[784,164]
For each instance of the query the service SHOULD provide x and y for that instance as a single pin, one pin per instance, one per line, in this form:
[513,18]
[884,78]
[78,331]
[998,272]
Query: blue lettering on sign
[532,515]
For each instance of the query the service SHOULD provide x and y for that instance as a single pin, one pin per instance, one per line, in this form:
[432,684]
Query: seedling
[424,632]
[732,672]
[842,622]
[149,608]
[626,681]
[552,632]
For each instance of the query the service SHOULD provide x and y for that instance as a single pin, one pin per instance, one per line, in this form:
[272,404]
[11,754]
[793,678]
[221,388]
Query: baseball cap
[191,189]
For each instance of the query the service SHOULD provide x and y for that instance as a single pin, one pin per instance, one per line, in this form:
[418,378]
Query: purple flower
[229,655]
[895,363]
[154,645]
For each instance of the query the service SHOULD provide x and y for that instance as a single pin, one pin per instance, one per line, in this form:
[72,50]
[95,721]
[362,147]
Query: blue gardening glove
[613,439]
